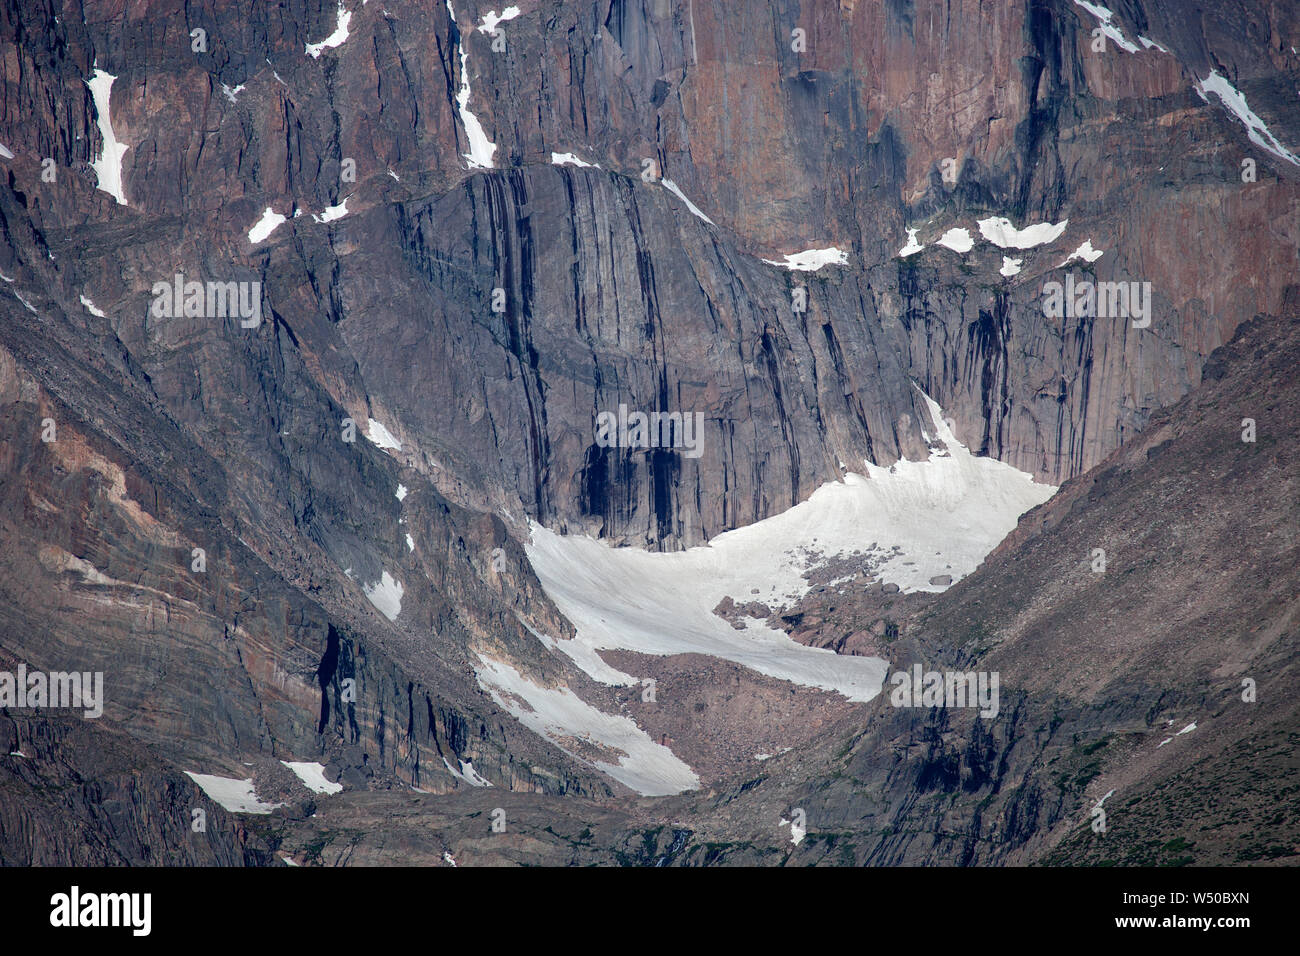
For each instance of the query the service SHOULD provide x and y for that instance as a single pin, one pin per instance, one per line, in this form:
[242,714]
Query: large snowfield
[913,521]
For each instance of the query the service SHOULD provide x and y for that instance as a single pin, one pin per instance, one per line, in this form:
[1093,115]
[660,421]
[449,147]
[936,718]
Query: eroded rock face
[75,795]
[614,292]
[126,557]
[484,318]
[1132,679]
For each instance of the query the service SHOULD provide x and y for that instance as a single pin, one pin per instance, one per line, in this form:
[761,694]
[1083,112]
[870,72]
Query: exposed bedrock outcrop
[391,555]
[613,291]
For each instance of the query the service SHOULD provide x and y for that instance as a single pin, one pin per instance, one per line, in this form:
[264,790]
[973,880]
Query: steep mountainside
[1159,685]
[348,500]
[1124,688]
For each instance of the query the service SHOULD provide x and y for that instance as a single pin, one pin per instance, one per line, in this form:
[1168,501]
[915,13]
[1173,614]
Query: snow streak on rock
[108,168]
[1107,20]
[626,752]
[481,149]
[334,39]
[671,186]
[1236,103]
[569,159]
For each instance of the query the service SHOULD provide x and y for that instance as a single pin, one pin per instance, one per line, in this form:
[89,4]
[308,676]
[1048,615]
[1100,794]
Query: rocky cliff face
[122,559]
[489,240]
[1152,688]
[74,795]
[889,116]
[1155,689]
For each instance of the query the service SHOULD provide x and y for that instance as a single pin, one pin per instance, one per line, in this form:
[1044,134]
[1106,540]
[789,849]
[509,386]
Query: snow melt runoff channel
[916,520]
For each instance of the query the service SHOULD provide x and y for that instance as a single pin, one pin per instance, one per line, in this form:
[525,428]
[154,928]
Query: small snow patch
[401,492]
[90,307]
[1085,252]
[491,19]
[386,595]
[958,240]
[265,226]
[381,436]
[312,776]
[467,773]
[332,212]
[1002,234]
[236,796]
[912,246]
[4,152]
[1010,267]
[410,542]
[810,260]
[569,159]
[230,94]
